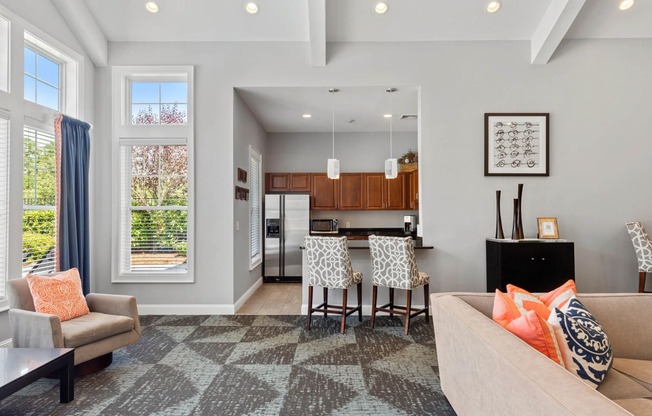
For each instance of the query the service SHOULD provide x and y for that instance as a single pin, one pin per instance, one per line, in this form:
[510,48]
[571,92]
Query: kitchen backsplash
[365,219]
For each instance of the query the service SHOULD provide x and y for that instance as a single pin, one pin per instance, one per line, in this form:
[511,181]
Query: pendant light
[391,164]
[333,167]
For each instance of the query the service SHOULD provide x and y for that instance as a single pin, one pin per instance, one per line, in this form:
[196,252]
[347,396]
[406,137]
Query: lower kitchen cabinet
[534,265]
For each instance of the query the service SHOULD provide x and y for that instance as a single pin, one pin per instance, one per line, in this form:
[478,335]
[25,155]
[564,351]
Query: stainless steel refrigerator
[287,222]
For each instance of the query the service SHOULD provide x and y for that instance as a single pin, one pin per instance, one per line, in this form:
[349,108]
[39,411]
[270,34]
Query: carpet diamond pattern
[256,365]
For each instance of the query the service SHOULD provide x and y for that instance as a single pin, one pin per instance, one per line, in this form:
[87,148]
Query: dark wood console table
[20,367]
[534,265]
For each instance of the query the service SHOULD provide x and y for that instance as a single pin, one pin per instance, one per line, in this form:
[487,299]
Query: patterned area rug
[256,365]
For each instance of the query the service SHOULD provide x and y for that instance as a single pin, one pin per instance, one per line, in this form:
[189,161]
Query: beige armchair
[112,323]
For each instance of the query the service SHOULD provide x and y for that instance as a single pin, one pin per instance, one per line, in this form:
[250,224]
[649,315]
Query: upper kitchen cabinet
[324,192]
[352,191]
[375,191]
[287,182]
[397,192]
[413,198]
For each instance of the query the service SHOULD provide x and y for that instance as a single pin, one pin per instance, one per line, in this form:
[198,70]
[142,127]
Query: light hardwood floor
[274,299]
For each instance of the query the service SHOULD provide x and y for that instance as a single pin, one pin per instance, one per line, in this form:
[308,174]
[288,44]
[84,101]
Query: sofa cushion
[617,386]
[58,294]
[637,407]
[93,327]
[584,345]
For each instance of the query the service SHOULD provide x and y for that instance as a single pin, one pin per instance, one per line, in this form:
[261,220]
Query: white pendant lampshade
[391,168]
[333,166]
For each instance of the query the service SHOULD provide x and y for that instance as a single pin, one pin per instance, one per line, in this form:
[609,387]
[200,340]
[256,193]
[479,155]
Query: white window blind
[4,185]
[39,177]
[255,199]
[153,208]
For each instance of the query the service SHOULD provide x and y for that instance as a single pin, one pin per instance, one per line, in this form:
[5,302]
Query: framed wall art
[516,144]
[547,227]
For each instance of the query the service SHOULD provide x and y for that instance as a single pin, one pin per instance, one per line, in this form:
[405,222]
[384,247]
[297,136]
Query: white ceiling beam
[553,27]
[84,26]
[317,24]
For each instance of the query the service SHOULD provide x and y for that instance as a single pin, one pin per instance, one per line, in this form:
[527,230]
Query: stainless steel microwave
[324,226]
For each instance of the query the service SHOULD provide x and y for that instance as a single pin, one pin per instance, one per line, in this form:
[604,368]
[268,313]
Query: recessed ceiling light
[381,7]
[151,7]
[306,115]
[493,6]
[626,4]
[251,7]
[387,115]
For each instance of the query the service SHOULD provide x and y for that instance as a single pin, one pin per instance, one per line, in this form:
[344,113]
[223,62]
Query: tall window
[4,54]
[159,102]
[42,78]
[38,202]
[4,211]
[255,204]
[154,236]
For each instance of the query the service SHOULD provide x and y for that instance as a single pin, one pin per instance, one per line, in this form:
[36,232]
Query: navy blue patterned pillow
[584,345]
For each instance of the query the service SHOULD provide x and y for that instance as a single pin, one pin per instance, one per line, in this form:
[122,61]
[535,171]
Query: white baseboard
[6,343]
[247,294]
[366,309]
[186,309]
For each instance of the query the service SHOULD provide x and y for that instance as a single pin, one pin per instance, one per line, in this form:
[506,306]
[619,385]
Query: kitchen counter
[364,233]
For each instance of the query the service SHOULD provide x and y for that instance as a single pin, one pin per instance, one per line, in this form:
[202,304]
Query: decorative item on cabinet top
[408,162]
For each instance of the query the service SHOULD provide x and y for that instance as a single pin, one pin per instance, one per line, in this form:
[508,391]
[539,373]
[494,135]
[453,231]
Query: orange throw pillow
[545,303]
[537,333]
[59,294]
[505,310]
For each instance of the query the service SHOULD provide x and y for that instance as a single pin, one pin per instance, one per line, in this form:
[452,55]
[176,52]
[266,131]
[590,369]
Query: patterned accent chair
[329,266]
[643,247]
[395,267]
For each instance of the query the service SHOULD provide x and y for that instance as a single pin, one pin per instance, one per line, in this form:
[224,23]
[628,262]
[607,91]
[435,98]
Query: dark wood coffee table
[20,367]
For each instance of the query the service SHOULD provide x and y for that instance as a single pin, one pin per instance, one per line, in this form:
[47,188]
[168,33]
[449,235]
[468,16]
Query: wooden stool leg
[391,301]
[325,301]
[426,299]
[374,297]
[641,282]
[360,302]
[343,310]
[309,306]
[408,306]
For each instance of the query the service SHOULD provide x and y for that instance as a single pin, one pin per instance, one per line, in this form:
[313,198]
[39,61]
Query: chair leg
[426,300]
[391,300]
[343,310]
[641,282]
[374,297]
[309,306]
[325,302]
[360,302]
[408,306]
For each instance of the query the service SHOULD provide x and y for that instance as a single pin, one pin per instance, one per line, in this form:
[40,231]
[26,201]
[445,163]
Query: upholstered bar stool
[643,247]
[329,266]
[395,267]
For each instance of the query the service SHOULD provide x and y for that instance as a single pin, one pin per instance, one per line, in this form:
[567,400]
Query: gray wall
[246,131]
[595,90]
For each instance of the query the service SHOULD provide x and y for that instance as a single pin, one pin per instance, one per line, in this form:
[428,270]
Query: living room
[586,63]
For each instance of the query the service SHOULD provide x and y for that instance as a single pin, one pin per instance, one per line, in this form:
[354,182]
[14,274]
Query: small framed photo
[242,175]
[516,144]
[548,227]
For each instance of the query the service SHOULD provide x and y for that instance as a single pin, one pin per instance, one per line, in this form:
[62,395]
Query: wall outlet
[237,225]
[347,224]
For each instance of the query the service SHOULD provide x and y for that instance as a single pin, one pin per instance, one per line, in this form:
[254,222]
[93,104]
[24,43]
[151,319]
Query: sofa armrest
[115,305]
[35,330]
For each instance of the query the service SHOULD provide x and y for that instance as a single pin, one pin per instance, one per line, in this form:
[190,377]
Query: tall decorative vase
[515,235]
[499,221]
[519,228]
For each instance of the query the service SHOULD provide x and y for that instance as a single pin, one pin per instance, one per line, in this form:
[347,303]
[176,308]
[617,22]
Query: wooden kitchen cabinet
[287,182]
[397,192]
[352,191]
[300,182]
[374,198]
[324,192]
[413,196]
[536,266]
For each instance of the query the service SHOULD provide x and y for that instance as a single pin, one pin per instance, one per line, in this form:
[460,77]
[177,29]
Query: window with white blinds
[4,211]
[255,205]
[39,178]
[4,54]
[153,208]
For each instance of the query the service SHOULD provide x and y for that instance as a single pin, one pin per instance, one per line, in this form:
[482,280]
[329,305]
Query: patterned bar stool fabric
[395,266]
[643,247]
[329,266]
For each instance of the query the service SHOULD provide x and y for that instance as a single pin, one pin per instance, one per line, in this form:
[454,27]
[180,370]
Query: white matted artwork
[516,144]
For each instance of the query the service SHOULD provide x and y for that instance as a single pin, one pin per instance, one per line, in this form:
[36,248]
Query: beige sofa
[112,323]
[486,370]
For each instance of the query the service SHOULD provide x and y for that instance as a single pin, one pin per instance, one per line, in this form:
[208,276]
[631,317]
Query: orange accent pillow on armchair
[58,294]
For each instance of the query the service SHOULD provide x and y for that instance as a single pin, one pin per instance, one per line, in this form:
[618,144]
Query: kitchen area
[300,199]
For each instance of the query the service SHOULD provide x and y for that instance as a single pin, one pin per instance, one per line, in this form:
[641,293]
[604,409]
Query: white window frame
[5,60]
[4,214]
[256,259]
[149,134]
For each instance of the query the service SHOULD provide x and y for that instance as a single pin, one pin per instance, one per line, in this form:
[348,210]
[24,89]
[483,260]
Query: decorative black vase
[515,234]
[519,227]
[499,221]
